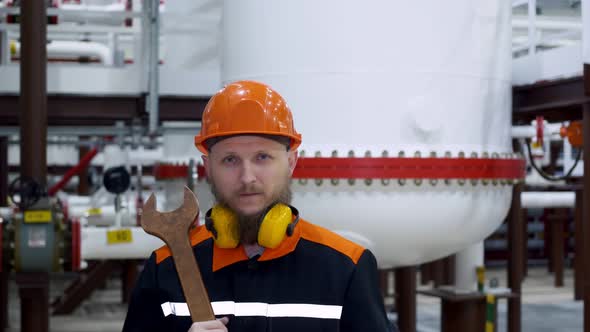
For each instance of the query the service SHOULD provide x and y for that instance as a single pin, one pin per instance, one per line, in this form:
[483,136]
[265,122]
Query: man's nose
[248,173]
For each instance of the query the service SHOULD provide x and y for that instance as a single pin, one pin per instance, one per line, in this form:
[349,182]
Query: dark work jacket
[314,280]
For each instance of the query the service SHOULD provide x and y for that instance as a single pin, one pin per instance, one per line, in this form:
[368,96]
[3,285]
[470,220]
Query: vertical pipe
[83,186]
[3,202]
[34,299]
[579,249]
[515,260]
[33,287]
[532,14]
[3,171]
[153,101]
[586,204]
[466,264]
[405,289]
[33,91]
[425,273]
[586,213]
[438,272]
[128,276]
[4,317]
[450,264]
[525,244]
[557,222]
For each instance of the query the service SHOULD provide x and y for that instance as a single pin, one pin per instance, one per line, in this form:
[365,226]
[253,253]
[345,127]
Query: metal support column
[128,276]
[405,290]
[586,205]
[515,259]
[557,220]
[33,91]
[3,202]
[3,171]
[579,249]
[33,287]
[83,186]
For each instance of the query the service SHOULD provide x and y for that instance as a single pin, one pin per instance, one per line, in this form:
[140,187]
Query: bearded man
[264,267]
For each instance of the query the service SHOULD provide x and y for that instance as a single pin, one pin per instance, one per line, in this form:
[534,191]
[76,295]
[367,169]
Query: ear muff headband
[279,220]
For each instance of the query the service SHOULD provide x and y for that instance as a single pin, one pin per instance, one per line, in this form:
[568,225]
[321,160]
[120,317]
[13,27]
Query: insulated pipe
[153,94]
[67,48]
[466,263]
[531,131]
[548,199]
[541,23]
[94,244]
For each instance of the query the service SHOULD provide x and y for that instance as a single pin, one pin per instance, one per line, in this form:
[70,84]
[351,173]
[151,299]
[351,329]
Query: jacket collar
[225,257]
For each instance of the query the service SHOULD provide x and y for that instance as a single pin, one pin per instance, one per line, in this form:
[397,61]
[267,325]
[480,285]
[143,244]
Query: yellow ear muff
[274,226]
[223,223]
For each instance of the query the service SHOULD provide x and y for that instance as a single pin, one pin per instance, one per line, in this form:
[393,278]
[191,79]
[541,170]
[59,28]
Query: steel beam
[3,171]
[96,110]
[579,249]
[515,259]
[405,290]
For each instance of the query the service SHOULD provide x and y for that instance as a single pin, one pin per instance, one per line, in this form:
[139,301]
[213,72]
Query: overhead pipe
[67,48]
[548,199]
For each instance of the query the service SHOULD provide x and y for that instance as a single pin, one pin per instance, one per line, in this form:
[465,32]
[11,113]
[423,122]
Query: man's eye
[229,160]
[263,156]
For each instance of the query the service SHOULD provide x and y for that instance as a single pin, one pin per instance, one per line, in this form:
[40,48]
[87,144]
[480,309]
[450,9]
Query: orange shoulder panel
[197,235]
[330,239]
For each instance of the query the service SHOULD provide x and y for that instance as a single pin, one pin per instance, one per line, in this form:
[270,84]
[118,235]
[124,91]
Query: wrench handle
[191,281]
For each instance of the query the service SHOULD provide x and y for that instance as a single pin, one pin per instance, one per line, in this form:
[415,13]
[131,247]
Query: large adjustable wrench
[173,227]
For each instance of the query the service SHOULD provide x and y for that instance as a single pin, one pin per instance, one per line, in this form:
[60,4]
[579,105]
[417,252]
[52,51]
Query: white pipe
[531,131]
[586,32]
[94,244]
[531,25]
[113,7]
[544,23]
[5,212]
[154,68]
[466,263]
[66,48]
[548,199]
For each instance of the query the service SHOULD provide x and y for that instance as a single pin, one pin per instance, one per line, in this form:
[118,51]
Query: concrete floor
[545,308]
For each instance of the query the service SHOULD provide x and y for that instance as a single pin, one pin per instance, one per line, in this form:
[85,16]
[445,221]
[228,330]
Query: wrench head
[168,225]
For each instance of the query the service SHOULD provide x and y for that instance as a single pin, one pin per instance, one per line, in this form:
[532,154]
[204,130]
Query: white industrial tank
[385,78]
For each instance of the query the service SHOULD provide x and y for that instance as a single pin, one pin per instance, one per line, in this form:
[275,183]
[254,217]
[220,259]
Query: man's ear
[292,157]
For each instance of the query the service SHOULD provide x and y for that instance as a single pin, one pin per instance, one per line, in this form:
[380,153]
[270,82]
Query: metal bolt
[318,182]
[401,182]
[473,154]
[433,154]
[385,154]
[418,182]
[401,154]
[417,154]
[448,154]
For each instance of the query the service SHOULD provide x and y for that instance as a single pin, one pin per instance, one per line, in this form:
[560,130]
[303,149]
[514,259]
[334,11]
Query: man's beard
[250,224]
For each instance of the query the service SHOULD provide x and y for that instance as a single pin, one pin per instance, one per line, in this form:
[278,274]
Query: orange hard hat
[247,107]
